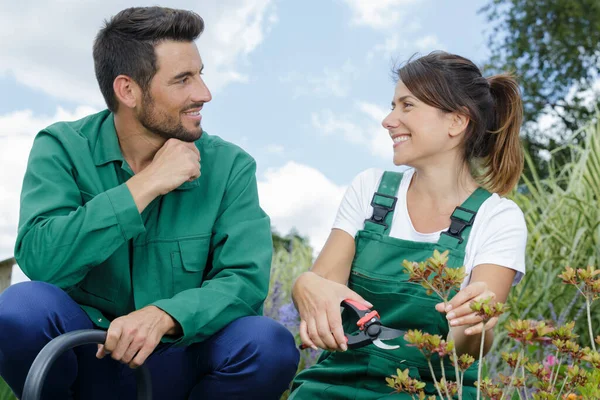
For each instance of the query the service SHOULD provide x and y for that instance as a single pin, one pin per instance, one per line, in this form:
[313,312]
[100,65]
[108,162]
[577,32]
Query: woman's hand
[318,302]
[458,310]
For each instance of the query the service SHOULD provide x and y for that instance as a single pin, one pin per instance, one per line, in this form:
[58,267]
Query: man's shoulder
[87,127]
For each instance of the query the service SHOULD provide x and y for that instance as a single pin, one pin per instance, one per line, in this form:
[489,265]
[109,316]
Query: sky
[300,85]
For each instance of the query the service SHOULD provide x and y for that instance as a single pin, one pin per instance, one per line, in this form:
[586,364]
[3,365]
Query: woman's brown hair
[453,83]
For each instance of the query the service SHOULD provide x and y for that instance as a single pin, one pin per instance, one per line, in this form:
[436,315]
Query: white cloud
[393,46]
[17,131]
[40,56]
[378,14]
[300,197]
[335,82]
[363,128]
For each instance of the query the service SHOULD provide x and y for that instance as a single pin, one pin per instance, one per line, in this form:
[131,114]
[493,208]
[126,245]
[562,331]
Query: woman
[459,133]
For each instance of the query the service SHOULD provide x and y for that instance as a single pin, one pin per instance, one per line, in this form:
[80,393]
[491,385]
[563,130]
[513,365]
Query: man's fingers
[136,344]
[122,346]
[143,354]
[101,353]
[112,337]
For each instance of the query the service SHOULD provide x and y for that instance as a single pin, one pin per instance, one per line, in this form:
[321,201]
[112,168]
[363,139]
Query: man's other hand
[132,338]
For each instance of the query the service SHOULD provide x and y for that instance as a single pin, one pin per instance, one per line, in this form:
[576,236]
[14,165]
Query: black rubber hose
[57,346]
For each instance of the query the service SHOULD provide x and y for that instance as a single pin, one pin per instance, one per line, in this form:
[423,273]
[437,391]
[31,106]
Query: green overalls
[378,275]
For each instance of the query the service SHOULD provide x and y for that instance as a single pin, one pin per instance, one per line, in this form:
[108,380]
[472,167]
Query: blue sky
[301,85]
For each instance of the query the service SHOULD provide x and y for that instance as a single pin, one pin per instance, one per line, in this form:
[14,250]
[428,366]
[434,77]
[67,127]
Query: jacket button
[99,319]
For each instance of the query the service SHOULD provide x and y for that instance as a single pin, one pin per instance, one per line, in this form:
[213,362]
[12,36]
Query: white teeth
[402,138]
[193,113]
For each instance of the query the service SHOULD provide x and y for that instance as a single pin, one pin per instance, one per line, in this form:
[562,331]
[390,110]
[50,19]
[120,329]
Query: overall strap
[461,221]
[383,203]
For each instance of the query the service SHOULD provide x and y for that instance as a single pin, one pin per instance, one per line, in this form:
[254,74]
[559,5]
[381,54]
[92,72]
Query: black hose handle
[59,345]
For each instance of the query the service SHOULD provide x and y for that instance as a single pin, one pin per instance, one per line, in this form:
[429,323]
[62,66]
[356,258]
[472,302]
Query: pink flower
[550,361]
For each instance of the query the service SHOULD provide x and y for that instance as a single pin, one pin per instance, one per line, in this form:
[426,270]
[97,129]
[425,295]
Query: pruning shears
[371,330]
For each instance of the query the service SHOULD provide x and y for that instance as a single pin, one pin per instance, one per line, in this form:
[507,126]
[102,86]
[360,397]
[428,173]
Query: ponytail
[504,163]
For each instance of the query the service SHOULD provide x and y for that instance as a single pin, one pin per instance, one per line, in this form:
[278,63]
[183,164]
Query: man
[136,221]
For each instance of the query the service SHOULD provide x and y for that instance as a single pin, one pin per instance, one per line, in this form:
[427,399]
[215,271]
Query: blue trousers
[251,358]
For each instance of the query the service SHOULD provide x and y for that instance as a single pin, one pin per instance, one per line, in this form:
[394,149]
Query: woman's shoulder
[502,210]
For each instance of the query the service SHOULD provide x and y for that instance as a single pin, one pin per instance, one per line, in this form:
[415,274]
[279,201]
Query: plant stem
[519,393]
[562,387]
[512,377]
[480,362]
[589,318]
[554,367]
[524,382]
[435,382]
[445,379]
[455,357]
[556,376]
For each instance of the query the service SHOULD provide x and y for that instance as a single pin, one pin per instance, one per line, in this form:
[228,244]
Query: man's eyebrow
[186,73]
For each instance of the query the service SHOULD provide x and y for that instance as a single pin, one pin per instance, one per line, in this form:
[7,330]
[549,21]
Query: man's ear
[128,92]
[458,123]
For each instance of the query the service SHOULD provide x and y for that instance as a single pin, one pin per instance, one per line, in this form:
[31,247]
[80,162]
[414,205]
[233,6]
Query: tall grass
[563,220]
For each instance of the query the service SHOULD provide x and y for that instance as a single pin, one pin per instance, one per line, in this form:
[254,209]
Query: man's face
[171,105]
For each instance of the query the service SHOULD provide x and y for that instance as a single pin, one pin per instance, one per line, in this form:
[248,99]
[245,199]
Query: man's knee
[25,307]
[272,344]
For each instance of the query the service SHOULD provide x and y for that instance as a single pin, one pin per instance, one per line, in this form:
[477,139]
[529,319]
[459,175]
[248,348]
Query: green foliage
[563,220]
[554,48]
[5,392]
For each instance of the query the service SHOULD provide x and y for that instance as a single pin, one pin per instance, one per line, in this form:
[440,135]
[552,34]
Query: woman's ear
[127,91]
[458,124]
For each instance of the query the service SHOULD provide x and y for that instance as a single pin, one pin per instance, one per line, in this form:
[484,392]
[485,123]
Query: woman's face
[419,132]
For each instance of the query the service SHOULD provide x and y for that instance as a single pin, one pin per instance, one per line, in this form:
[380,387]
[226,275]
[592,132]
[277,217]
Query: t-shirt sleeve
[354,206]
[504,239]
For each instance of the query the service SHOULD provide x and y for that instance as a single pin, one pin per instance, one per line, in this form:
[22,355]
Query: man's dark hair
[125,45]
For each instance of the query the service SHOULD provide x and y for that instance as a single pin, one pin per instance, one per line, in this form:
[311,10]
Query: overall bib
[378,276]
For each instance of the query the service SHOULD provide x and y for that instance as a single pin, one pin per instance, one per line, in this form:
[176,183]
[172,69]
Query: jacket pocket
[189,262]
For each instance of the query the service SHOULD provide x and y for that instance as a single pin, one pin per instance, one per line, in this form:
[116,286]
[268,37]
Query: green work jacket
[202,253]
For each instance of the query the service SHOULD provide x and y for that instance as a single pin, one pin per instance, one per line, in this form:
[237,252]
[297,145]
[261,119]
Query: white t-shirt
[498,235]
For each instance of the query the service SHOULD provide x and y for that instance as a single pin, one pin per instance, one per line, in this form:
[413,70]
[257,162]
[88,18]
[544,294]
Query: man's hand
[132,338]
[173,164]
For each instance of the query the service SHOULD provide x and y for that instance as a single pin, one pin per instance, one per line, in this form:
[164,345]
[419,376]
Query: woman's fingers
[313,334]
[304,336]
[465,295]
[325,332]
[477,329]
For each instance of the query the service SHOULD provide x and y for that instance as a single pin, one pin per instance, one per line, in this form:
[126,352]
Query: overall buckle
[380,212]
[457,225]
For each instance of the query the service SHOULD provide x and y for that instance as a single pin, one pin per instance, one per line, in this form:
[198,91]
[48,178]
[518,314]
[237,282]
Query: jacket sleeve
[236,284]
[60,239]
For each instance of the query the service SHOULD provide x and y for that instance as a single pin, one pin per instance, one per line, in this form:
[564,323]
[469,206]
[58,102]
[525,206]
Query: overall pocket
[189,262]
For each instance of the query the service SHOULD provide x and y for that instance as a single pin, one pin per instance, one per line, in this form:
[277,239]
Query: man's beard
[164,125]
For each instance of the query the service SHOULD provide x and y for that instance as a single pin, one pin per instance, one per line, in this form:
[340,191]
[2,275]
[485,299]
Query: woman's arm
[318,293]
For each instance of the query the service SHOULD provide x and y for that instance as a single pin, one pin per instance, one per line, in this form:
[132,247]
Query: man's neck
[138,145]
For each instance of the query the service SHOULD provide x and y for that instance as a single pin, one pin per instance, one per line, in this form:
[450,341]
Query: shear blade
[384,346]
